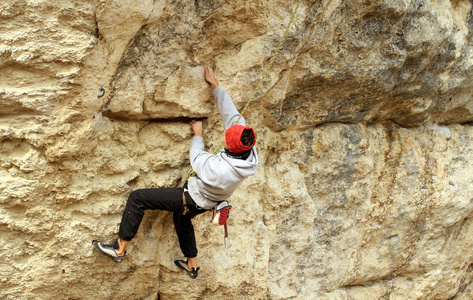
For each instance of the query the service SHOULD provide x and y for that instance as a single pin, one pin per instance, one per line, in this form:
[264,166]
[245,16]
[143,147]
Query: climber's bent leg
[186,237]
[169,199]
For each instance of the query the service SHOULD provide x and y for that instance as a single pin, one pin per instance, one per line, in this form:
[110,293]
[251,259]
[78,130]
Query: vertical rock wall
[364,132]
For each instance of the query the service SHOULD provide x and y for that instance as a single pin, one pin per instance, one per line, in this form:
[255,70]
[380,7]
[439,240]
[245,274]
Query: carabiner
[229,244]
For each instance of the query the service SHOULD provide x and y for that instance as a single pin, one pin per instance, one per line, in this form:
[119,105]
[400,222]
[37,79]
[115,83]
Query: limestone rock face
[364,188]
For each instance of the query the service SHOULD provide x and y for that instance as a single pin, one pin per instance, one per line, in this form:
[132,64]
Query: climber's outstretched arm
[225,105]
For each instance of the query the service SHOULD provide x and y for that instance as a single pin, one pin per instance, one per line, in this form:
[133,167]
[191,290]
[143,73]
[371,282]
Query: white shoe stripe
[107,250]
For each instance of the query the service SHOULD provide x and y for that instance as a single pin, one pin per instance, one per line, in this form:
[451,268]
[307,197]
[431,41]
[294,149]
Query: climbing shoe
[108,250]
[181,264]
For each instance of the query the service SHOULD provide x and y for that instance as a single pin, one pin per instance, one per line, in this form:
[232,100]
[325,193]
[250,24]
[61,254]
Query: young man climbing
[217,177]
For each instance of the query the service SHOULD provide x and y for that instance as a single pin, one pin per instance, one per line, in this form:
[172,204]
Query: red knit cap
[233,139]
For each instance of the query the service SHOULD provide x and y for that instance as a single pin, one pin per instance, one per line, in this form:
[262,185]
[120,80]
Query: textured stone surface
[364,134]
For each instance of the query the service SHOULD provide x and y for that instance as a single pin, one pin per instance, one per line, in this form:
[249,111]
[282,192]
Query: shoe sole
[97,247]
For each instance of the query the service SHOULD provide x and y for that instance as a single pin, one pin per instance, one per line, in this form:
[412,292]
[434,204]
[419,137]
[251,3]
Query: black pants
[169,199]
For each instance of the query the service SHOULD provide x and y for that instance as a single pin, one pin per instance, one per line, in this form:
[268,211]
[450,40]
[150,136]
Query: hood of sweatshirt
[243,168]
[219,176]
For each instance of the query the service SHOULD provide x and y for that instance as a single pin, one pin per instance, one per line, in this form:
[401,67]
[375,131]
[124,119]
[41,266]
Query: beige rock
[364,134]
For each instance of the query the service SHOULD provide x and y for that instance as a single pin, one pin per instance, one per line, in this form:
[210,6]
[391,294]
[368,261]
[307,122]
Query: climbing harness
[191,171]
[184,204]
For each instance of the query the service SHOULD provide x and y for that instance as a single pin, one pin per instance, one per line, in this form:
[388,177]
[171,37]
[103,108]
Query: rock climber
[217,177]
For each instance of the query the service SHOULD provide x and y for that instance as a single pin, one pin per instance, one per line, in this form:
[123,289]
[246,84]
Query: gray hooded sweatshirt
[218,175]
